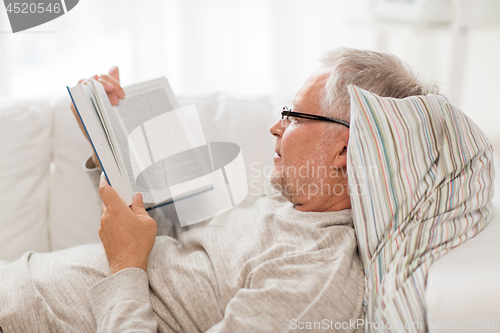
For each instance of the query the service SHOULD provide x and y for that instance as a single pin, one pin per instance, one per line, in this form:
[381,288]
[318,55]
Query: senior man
[288,262]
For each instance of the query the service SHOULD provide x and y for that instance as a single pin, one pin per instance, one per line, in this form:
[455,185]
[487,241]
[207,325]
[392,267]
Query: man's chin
[277,179]
[279,183]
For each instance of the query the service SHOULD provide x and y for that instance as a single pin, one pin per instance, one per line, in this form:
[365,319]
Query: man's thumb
[115,73]
[138,205]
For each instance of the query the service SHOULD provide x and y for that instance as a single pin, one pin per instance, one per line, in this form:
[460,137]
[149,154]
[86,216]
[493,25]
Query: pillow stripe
[420,176]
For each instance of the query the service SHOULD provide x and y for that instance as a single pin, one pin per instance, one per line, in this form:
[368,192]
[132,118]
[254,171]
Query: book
[146,143]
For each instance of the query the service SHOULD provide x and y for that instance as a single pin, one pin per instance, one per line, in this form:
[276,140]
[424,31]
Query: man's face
[306,164]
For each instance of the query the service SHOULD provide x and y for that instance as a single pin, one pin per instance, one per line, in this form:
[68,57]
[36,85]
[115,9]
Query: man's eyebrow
[293,103]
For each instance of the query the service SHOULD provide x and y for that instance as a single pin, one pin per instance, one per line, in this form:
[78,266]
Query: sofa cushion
[421,180]
[25,127]
[75,212]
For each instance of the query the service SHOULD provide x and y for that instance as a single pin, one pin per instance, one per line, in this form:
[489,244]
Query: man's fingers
[112,88]
[116,84]
[108,194]
[108,87]
[95,77]
[138,205]
[115,73]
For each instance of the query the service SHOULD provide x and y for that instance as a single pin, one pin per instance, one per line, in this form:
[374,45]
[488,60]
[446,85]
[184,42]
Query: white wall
[239,47]
[482,82]
[430,51]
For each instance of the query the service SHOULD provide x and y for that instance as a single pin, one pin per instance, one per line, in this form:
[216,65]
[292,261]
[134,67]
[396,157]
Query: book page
[153,129]
[145,101]
[95,95]
[114,132]
[92,119]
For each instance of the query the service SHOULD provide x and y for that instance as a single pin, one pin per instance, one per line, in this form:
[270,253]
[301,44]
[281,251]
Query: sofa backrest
[25,150]
[51,200]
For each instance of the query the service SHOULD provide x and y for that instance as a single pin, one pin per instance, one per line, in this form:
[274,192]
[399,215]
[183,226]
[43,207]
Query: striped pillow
[421,181]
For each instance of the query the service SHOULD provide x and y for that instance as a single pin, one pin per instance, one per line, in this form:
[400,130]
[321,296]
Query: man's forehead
[310,92]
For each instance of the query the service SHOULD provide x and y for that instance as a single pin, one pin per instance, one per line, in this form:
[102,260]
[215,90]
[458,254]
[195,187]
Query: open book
[147,143]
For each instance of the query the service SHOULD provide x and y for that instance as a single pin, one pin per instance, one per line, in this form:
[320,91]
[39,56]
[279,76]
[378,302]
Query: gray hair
[381,73]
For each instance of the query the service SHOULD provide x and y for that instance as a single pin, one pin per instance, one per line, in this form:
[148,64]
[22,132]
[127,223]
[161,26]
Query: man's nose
[276,129]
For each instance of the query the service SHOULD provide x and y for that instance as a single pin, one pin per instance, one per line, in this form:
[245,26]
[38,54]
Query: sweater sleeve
[94,174]
[121,303]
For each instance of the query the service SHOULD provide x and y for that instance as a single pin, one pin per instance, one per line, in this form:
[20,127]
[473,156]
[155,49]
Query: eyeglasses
[287,113]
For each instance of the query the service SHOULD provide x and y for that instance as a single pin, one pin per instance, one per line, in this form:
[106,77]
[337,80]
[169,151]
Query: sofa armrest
[463,287]
[25,127]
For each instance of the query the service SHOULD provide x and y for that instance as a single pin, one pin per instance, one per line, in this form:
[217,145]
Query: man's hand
[128,234]
[111,84]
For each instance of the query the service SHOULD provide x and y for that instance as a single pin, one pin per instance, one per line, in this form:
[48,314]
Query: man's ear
[340,158]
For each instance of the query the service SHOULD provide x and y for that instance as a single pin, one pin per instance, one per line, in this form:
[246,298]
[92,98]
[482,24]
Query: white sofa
[47,203]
